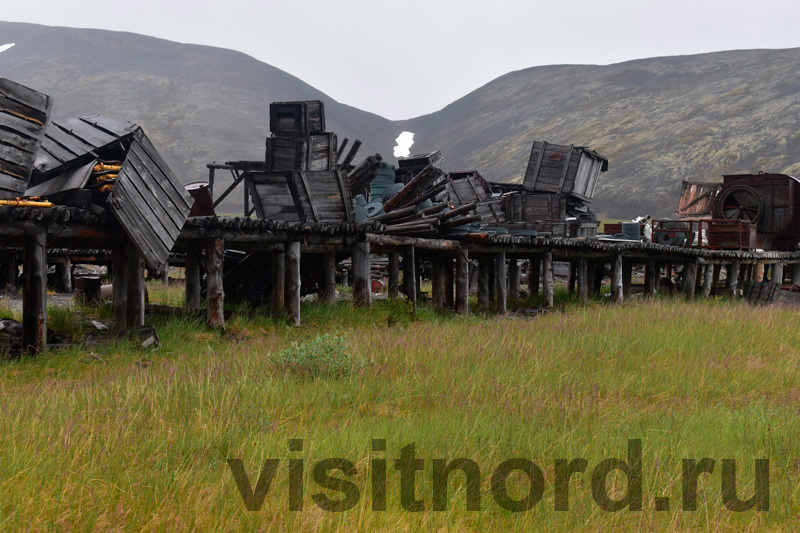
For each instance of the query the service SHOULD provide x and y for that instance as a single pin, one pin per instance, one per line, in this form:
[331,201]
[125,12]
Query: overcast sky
[406,58]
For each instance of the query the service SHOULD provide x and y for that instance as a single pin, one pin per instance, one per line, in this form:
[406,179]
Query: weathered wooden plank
[85,132]
[112,126]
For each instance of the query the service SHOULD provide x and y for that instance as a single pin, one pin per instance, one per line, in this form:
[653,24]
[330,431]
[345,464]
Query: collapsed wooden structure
[117,202]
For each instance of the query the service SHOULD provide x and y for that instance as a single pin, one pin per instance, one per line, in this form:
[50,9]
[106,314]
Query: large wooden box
[301,196]
[526,207]
[316,153]
[561,169]
[296,119]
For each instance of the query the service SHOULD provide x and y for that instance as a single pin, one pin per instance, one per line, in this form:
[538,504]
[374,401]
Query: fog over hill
[658,120]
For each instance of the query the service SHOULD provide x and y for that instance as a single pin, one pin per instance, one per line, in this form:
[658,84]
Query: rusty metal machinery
[771,201]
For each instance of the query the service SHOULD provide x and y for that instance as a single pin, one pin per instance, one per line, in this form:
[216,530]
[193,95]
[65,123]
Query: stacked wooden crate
[300,181]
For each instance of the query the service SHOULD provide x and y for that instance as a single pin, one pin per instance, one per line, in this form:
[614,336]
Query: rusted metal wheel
[740,202]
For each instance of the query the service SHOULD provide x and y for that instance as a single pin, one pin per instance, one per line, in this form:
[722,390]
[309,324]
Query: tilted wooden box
[301,196]
[561,169]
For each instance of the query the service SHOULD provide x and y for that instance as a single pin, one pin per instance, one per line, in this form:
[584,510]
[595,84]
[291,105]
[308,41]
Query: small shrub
[323,356]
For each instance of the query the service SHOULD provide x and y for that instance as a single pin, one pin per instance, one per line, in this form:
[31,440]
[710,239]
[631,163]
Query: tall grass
[109,442]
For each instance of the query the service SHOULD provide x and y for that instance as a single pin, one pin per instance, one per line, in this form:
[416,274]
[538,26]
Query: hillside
[198,103]
[658,121]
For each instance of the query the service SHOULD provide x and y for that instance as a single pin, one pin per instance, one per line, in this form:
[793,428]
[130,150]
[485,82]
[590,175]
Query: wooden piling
[627,277]
[708,280]
[292,285]
[500,273]
[410,275]
[583,281]
[547,279]
[651,271]
[362,281]
[689,281]
[394,274]
[64,276]
[437,282]
[717,270]
[732,272]
[513,282]
[278,282]
[777,273]
[193,276]
[617,295]
[329,278]
[758,272]
[34,293]
[462,281]
[215,295]
[484,280]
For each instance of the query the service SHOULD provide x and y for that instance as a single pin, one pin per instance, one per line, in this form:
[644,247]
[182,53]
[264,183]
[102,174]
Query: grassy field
[129,439]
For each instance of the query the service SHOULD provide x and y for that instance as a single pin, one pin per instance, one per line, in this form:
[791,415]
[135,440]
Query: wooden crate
[466,187]
[560,169]
[526,207]
[321,152]
[301,196]
[285,155]
[297,119]
[23,116]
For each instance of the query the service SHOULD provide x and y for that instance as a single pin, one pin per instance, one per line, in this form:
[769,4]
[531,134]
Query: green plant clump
[325,355]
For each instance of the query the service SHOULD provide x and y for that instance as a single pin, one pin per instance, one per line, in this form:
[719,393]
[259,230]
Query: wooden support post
[732,272]
[136,286]
[193,275]
[484,280]
[291,297]
[617,295]
[651,272]
[215,296]
[449,281]
[627,277]
[708,280]
[500,273]
[777,273]
[492,280]
[689,279]
[534,273]
[583,281]
[394,274]
[758,272]
[34,293]
[715,280]
[329,278]
[547,279]
[362,281]
[513,282]
[745,274]
[796,274]
[64,276]
[462,281]
[438,282]
[410,275]
[119,267]
[573,277]
[278,282]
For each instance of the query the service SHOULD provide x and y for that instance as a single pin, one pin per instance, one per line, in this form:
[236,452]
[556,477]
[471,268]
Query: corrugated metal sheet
[23,117]
[697,198]
[149,201]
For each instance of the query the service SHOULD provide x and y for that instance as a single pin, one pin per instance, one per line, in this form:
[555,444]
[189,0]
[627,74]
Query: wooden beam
[193,269]
[328,294]
[732,276]
[547,279]
[34,293]
[462,282]
[708,280]
[119,266]
[583,282]
[136,286]
[500,282]
[278,282]
[410,275]
[394,274]
[437,282]
[362,281]
[215,295]
[689,281]
[291,299]
[617,293]
[651,272]
[484,279]
[513,282]
[758,272]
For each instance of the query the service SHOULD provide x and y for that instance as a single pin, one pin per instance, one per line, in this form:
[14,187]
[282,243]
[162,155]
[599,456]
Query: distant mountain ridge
[658,120]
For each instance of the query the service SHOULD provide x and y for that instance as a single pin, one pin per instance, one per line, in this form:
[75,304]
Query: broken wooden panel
[561,169]
[149,201]
[74,142]
[24,113]
[296,119]
[469,186]
[301,196]
[697,199]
